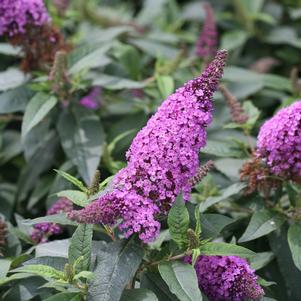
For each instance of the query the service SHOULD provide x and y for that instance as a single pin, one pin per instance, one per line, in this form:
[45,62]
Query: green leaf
[277,82]
[225,249]
[284,35]
[8,49]
[11,145]
[14,100]
[11,78]
[252,112]
[64,297]
[52,261]
[294,241]
[84,274]
[165,84]
[59,218]
[72,180]
[213,224]
[77,197]
[178,222]
[234,39]
[139,294]
[260,260]
[116,264]
[290,273]
[181,279]
[220,149]
[114,82]
[41,270]
[16,276]
[80,245]
[129,57]
[82,137]
[38,107]
[229,167]
[94,59]
[155,283]
[4,266]
[57,248]
[155,48]
[262,223]
[225,194]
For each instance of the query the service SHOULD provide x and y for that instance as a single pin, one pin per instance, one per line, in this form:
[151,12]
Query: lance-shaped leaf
[224,249]
[294,242]
[262,223]
[178,222]
[38,107]
[181,279]
[82,138]
[41,270]
[80,246]
[116,264]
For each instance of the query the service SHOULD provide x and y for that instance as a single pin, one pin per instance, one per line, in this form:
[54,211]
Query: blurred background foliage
[138,52]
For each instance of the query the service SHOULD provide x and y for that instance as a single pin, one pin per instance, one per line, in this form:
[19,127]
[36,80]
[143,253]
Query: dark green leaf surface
[82,138]
[116,264]
[262,223]
[181,279]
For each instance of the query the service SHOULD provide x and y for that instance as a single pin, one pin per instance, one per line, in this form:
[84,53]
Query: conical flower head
[162,159]
[15,15]
[207,42]
[226,278]
[279,142]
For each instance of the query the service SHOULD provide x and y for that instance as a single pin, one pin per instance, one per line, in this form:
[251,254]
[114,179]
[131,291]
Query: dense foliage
[150,150]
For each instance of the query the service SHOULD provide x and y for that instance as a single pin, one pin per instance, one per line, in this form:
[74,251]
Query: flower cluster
[162,159]
[207,41]
[3,231]
[42,231]
[279,142]
[15,15]
[226,278]
[91,101]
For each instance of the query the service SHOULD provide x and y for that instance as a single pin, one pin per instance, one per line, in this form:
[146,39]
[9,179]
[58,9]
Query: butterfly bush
[42,231]
[162,159]
[207,42]
[279,142]
[91,101]
[226,278]
[16,15]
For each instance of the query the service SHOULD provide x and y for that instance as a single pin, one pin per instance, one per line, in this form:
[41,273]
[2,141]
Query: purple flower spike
[207,42]
[279,142]
[91,101]
[162,159]
[42,231]
[226,278]
[15,15]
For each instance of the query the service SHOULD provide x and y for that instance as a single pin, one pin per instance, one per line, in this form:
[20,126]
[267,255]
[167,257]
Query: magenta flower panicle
[279,142]
[42,231]
[16,15]
[91,101]
[226,278]
[206,44]
[162,159]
